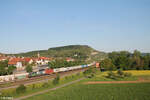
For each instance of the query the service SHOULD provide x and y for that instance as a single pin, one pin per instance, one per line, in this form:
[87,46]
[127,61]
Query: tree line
[63,63]
[126,61]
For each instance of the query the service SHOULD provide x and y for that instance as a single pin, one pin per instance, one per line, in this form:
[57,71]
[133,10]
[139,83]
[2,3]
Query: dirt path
[48,90]
[118,82]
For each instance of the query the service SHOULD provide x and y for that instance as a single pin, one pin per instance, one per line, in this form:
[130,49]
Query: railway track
[33,80]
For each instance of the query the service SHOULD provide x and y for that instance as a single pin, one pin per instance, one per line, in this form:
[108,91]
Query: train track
[33,80]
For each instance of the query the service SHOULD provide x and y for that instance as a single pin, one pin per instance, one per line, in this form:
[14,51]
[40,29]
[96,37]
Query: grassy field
[80,91]
[39,86]
[99,92]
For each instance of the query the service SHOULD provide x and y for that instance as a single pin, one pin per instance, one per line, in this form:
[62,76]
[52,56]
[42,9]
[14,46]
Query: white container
[56,70]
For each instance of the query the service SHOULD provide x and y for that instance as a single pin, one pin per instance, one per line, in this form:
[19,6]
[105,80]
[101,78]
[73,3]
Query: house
[15,62]
[42,60]
[69,59]
[28,60]
[3,58]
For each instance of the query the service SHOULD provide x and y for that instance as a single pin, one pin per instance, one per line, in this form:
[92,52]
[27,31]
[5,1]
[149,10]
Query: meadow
[81,91]
[99,92]
[33,88]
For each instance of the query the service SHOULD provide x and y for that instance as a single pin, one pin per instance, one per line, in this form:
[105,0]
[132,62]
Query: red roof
[26,59]
[44,58]
[14,61]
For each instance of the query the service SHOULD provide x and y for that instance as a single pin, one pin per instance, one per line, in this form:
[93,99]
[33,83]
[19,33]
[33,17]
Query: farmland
[81,91]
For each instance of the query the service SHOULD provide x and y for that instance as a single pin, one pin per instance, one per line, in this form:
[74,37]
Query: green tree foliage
[21,89]
[10,69]
[126,61]
[80,52]
[90,72]
[5,69]
[119,74]
[29,68]
[63,63]
[107,64]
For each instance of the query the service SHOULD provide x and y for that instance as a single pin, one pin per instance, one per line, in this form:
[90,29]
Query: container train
[41,72]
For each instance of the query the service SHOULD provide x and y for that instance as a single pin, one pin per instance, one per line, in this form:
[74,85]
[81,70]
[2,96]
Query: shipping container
[63,69]
[83,66]
[49,71]
[56,70]
[33,74]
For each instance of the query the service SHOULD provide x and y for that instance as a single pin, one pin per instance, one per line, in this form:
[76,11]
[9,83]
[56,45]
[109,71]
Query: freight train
[41,72]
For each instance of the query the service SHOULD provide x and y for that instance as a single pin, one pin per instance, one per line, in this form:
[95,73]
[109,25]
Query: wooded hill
[74,51]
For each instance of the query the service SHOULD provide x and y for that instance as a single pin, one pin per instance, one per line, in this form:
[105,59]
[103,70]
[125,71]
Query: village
[20,63]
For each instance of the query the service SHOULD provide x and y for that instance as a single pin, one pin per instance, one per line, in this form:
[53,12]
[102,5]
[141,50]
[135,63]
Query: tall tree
[29,68]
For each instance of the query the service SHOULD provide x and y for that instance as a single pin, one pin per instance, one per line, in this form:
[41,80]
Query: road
[48,90]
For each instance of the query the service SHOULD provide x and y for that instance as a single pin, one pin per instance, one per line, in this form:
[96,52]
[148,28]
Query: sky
[105,25]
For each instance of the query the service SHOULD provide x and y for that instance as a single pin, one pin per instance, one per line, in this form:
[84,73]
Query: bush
[33,86]
[90,76]
[120,72]
[72,76]
[56,80]
[89,71]
[127,74]
[21,89]
[66,77]
[111,75]
[45,84]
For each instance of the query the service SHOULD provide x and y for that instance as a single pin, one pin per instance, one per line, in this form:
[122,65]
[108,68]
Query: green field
[99,92]
[80,91]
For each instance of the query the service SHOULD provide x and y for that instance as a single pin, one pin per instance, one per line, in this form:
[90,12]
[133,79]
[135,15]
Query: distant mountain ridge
[75,51]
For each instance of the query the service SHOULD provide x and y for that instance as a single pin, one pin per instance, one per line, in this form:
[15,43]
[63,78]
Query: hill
[74,51]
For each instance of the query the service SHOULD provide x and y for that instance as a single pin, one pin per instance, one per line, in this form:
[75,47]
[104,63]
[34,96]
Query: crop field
[99,92]
[81,91]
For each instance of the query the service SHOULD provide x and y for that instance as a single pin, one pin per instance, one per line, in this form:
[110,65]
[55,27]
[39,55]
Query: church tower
[38,55]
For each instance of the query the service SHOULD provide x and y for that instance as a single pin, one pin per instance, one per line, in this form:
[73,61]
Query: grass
[98,92]
[38,86]
[101,76]
[80,91]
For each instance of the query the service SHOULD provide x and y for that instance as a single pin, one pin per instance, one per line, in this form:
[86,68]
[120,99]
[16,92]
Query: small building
[16,62]
[69,59]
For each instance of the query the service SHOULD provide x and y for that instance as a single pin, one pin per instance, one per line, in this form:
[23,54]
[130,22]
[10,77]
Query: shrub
[45,84]
[21,89]
[111,75]
[90,76]
[127,74]
[33,86]
[66,77]
[120,72]
[56,80]
[89,72]
[72,76]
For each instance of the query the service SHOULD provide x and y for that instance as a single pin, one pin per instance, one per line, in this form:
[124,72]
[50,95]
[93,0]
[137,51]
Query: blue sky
[105,25]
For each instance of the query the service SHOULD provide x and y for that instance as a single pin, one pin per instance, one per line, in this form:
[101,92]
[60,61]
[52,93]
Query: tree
[136,53]
[107,64]
[10,69]
[3,67]
[29,68]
